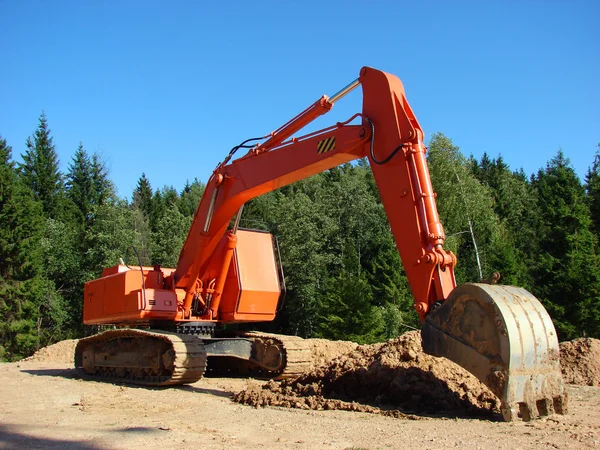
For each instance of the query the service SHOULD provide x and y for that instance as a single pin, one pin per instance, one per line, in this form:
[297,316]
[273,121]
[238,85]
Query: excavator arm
[392,140]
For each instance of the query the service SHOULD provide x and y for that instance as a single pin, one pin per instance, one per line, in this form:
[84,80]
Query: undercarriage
[166,358]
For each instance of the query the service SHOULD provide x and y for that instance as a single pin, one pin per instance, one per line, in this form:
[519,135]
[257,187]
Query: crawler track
[142,357]
[296,354]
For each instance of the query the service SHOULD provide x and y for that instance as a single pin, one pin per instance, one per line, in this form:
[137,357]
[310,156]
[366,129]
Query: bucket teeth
[503,336]
[533,410]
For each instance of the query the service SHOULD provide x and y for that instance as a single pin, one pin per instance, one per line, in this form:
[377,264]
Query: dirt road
[45,405]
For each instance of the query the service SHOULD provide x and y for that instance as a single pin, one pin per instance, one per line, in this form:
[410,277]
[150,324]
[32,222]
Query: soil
[580,361]
[60,353]
[394,378]
[398,396]
[324,351]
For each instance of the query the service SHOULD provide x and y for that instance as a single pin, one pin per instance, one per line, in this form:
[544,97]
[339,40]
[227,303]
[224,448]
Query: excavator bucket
[504,336]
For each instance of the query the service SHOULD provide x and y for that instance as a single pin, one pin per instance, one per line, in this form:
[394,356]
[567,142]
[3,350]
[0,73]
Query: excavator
[168,324]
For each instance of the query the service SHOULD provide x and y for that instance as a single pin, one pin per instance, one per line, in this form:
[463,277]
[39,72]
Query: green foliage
[21,219]
[167,240]
[142,196]
[31,314]
[568,274]
[88,186]
[40,170]
[391,291]
[141,227]
[103,190]
[10,253]
[466,210]
[592,186]
[190,198]
[80,183]
[141,207]
[299,227]
[111,238]
[61,251]
[515,204]
[350,311]
[162,201]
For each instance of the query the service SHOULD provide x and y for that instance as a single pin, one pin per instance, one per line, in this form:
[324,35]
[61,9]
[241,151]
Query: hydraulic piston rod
[338,95]
[318,108]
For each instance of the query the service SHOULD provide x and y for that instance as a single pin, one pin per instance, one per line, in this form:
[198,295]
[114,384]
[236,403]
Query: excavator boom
[501,334]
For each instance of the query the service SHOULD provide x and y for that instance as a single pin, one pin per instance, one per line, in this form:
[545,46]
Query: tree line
[343,274]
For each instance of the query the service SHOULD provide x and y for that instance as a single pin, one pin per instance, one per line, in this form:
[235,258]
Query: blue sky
[167,88]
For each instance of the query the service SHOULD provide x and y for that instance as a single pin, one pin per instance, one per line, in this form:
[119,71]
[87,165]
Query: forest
[343,274]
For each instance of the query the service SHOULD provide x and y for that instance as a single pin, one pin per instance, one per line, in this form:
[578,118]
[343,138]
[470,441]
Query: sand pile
[395,378]
[580,361]
[62,352]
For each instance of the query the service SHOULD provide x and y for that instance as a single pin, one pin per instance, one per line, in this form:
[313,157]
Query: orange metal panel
[258,274]
[252,289]
[93,298]
[121,297]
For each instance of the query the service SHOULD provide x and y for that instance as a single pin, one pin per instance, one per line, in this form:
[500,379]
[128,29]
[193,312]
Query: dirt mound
[394,378]
[324,351]
[580,361]
[62,353]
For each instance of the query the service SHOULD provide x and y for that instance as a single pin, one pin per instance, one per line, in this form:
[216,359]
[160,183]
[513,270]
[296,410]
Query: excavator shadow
[17,438]
[200,390]
[72,373]
[69,373]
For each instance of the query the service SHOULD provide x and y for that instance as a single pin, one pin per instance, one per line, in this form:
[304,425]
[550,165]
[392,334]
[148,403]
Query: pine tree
[141,217]
[9,252]
[190,198]
[592,186]
[40,170]
[103,190]
[80,183]
[31,313]
[349,312]
[161,202]
[88,185]
[515,204]
[568,273]
[142,196]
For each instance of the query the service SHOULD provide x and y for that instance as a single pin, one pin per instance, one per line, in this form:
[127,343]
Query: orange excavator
[168,323]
